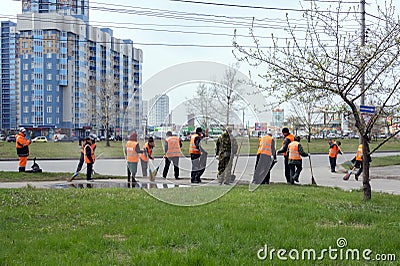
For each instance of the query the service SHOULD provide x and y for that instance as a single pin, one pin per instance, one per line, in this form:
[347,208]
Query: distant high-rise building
[76,8]
[64,63]
[278,117]
[158,110]
[9,76]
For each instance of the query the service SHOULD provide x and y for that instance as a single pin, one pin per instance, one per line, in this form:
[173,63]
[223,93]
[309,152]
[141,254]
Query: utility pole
[362,81]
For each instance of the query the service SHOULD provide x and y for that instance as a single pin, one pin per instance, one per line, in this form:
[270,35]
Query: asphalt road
[244,170]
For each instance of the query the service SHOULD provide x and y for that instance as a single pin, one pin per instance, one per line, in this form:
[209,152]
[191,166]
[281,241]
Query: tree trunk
[365,165]
[107,134]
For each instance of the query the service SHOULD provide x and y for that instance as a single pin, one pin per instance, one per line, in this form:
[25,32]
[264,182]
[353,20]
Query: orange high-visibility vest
[21,143]
[149,150]
[333,152]
[131,154]
[291,138]
[359,153]
[92,154]
[294,151]
[93,146]
[192,148]
[264,146]
[174,149]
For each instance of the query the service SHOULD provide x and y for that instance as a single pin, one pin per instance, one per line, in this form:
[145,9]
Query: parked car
[40,139]
[11,138]
[2,137]
[68,139]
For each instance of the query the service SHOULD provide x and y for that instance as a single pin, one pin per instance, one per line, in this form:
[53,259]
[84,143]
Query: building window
[49,87]
[57,110]
[26,109]
[25,66]
[26,87]
[26,99]
[49,109]
[49,76]
[49,120]
[49,55]
[49,98]
[25,77]
[49,65]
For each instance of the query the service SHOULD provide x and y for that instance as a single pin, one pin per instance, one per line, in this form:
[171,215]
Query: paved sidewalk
[383,179]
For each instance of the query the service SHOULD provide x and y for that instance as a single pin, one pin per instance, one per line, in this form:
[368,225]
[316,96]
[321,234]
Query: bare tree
[102,100]
[214,103]
[307,111]
[201,105]
[329,60]
[226,92]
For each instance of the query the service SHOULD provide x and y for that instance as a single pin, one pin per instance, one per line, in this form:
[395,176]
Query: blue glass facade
[76,8]
[60,64]
[8,65]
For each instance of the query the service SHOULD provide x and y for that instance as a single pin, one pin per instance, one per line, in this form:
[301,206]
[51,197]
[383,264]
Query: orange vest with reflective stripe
[359,153]
[21,141]
[192,148]
[174,150]
[291,138]
[131,154]
[294,151]
[264,146]
[334,151]
[149,150]
[92,154]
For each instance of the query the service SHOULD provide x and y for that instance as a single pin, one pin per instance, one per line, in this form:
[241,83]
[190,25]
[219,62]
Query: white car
[40,139]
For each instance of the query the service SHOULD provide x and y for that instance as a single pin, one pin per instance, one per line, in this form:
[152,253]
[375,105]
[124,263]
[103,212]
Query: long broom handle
[309,159]
[237,156]
[97,157]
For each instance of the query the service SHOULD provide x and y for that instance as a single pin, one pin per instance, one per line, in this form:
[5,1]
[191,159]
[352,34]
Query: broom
[152,174]
[312,174]
[347,162]
[233,176]
[73,177]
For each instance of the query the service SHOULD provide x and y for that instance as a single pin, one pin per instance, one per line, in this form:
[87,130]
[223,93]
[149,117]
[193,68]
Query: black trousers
[175,161]
[332,162]
[196,168]
[89,170]
[80,164]
[287,169]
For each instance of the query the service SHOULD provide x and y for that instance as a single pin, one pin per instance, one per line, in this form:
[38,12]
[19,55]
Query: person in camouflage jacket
[226,148]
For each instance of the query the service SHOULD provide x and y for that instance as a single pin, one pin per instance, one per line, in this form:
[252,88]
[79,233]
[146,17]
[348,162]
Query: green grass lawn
[129,227]
[71,149]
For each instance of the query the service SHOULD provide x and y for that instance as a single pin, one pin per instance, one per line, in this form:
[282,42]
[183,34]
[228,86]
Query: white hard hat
[22,129]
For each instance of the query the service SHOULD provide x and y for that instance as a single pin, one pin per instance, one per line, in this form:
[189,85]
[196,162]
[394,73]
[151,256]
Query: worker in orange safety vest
[195,151]
[266,153]
[295,162]
[334,150]
[22,146]
[288,138]
[132,151]
[172,148]
[146,155]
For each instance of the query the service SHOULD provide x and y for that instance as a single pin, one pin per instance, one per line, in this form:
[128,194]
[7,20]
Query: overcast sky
[180,31]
